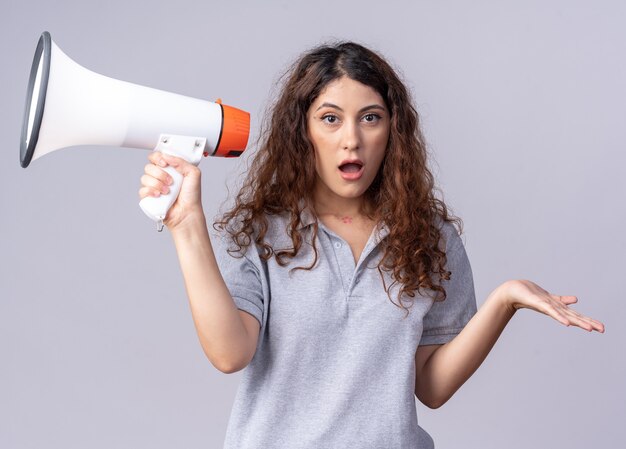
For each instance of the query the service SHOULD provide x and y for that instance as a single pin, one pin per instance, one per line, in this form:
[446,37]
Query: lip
[352,176]
[352,161]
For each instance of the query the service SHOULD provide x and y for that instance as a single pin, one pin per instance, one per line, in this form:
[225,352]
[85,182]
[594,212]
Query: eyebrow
[331,105]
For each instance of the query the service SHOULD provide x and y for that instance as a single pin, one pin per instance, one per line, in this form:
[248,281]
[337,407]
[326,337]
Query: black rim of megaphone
[43,46]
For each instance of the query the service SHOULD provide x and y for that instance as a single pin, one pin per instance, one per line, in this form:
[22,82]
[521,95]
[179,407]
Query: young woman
[338,279]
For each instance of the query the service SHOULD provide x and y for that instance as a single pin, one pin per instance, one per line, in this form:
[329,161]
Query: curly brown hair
[282,175]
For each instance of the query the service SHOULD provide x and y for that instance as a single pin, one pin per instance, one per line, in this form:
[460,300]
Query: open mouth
[351,171]
[351,167]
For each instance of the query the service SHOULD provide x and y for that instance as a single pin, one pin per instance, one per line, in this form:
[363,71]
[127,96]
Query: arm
[228,336]
[451,364]
[444,368]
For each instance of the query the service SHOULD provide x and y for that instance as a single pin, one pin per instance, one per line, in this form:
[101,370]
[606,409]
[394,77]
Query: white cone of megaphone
[68,105]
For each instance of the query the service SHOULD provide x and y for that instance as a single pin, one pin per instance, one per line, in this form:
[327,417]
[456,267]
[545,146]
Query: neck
[327,203]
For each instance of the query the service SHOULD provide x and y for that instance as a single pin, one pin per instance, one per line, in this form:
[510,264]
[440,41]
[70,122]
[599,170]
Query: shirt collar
[307,218]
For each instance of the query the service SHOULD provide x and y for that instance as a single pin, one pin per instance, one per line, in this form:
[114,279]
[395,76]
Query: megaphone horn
[68,105]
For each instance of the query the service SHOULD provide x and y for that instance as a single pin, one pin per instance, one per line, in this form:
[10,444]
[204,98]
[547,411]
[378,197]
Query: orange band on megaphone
[235,132]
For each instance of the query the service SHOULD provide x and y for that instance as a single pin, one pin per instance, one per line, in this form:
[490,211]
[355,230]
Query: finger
[158,173]
[578,321]
[584,322]
[148,191]
[594,324]
[573,299]
[182,166]
[174,161]
[556,314]
[576,318]
[149,181]
[156,157]
[599,324]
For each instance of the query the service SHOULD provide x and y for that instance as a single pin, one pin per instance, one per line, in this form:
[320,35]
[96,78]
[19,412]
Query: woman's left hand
[518,294]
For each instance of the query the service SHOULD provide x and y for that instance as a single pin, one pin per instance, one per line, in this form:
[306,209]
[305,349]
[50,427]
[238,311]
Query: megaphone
[68,105]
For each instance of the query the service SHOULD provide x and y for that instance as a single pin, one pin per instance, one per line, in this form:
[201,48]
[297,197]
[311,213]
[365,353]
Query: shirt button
[337,245]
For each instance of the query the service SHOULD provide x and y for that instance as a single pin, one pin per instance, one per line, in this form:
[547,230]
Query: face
[348,125]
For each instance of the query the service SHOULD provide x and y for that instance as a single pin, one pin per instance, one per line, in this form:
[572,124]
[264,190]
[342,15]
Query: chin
[351,193]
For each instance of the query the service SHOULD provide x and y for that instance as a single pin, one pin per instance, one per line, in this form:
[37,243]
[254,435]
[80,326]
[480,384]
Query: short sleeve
[241,275]
[447,318]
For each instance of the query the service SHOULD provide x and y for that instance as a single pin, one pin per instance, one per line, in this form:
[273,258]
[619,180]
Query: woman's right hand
[156,181]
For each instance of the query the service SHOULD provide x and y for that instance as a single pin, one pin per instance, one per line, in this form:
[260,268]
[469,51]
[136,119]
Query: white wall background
[523,105]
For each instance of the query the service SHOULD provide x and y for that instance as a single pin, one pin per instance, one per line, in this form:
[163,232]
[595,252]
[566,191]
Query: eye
[371,118]
[330,119]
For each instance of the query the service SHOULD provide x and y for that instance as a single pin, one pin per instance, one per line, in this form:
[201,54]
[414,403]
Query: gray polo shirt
[335,361]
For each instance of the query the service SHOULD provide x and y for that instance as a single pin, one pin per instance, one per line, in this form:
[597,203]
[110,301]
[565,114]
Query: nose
[351,136]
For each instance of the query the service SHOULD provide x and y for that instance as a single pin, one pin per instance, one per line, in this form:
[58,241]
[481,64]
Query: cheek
[380,142]
[319,160]
[323,151]
[383,138]
[322,141]
[323,162]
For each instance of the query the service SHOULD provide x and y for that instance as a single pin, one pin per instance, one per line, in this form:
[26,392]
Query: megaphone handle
[186,147]
[157,207]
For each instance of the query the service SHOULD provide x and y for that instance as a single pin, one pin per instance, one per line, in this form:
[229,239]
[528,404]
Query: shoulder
[275,229]
[450,239]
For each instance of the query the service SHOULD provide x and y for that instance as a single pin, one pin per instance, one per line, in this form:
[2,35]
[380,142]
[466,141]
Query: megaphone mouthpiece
[234,134]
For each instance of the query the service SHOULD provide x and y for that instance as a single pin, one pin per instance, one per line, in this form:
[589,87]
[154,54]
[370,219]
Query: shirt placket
[349,271]
[345,263]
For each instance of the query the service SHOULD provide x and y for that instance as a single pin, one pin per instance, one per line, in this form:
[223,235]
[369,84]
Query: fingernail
[162,163]
[164,189]
[170,181]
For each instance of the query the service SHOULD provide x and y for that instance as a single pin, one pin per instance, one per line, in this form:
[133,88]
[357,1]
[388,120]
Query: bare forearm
[454,362]
[220,329]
